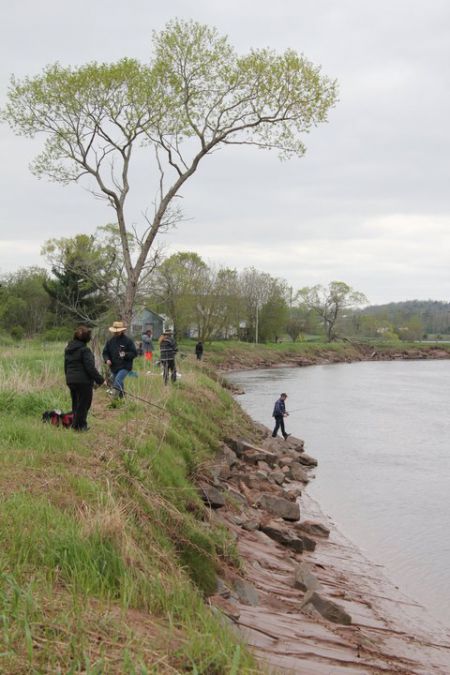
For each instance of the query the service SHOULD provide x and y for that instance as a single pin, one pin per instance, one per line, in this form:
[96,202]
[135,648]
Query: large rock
[297,473]
[279,506]
[308,543]
[295,444]
[211,496]
[278,476]
[313,528]
[306,460]
[246,593]
[304,579]
[236,496]
[330,610]
[277,531]
[240,447]
[286,460]
[253,455]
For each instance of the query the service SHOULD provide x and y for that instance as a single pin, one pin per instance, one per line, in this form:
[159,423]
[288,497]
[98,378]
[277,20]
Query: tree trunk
[128,304]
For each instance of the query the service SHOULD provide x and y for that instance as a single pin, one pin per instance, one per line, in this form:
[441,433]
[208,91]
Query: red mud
[389,632]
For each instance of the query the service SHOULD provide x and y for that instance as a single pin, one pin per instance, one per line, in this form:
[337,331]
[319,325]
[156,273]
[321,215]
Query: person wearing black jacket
[167,351]
[118,354]
[81,373]
[279,413]
[199,350]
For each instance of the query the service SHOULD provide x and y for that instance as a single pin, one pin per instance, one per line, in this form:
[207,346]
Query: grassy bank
[228,355]
[107,552]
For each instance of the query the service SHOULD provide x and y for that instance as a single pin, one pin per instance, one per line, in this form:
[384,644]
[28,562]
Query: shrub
[58,334]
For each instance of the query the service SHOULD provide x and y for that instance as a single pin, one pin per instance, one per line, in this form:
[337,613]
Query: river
[381,434]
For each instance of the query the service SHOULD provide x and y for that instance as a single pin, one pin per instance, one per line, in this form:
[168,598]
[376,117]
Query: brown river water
[381,434]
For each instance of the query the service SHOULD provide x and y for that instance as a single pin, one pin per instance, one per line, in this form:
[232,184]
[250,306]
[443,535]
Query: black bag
[58,418]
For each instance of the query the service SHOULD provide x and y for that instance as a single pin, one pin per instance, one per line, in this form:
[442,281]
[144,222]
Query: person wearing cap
[167,350]
[279,412]
[118,354]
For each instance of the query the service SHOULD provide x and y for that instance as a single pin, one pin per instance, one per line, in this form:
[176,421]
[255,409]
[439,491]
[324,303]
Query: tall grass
[107,550]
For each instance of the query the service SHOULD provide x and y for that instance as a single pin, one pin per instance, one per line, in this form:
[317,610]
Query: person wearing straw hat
[118,354]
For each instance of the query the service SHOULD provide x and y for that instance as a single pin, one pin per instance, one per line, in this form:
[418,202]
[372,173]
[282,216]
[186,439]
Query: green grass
[107,549]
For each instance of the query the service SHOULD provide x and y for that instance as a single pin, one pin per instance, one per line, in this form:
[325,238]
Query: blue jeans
[119,378]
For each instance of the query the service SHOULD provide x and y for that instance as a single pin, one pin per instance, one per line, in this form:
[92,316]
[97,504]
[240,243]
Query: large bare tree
[195,95]
[329,303]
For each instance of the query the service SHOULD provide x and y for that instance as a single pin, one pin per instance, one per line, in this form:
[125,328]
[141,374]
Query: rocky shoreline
[306,600]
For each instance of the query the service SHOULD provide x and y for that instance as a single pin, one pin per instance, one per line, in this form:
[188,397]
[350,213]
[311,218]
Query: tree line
[86,281]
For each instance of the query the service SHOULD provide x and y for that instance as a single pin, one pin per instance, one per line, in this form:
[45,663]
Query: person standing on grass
[118,354]
[199,350]
[279,412]
[81,373]
[147,346]
[167,351]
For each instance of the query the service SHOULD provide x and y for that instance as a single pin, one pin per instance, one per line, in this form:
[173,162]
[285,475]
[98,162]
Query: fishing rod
[144,400]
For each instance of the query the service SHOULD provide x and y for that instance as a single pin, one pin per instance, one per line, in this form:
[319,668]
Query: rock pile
[256,489]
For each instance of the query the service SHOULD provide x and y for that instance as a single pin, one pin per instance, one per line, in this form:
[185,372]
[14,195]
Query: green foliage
[82,269]
[57,334]
[24,304]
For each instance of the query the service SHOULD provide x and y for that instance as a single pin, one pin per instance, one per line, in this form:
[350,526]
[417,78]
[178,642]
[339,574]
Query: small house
[146,319]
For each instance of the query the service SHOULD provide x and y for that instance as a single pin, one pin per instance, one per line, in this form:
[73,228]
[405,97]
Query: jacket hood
[74,345]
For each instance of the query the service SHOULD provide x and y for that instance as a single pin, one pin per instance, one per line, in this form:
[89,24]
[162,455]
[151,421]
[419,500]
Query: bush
[58,334]
[17,332]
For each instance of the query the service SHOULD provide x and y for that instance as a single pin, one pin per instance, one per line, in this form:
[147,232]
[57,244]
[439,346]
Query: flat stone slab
[279,506]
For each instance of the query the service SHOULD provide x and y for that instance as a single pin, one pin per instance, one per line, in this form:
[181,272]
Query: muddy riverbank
[311,354]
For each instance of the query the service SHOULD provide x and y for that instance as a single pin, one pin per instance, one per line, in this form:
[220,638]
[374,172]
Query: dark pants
[81,402]
[279,424]
[172,369]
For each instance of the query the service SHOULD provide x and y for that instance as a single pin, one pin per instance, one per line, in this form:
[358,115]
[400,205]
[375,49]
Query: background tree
[82,270]
[25,308]
[195,95]
[274,312]
[264,304]
[255,288]
[300,321]
[216,303]
[89,276]
[177,285]
[329,303]
[411,329]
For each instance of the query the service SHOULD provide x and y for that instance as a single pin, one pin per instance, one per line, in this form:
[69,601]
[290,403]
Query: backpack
[58,418]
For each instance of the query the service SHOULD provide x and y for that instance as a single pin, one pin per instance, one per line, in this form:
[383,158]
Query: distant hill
[434,314]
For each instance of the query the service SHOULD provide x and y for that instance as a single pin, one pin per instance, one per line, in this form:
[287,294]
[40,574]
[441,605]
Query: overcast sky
[369,203]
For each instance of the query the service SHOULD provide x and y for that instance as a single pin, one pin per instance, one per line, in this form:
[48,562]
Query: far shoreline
[244,356]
